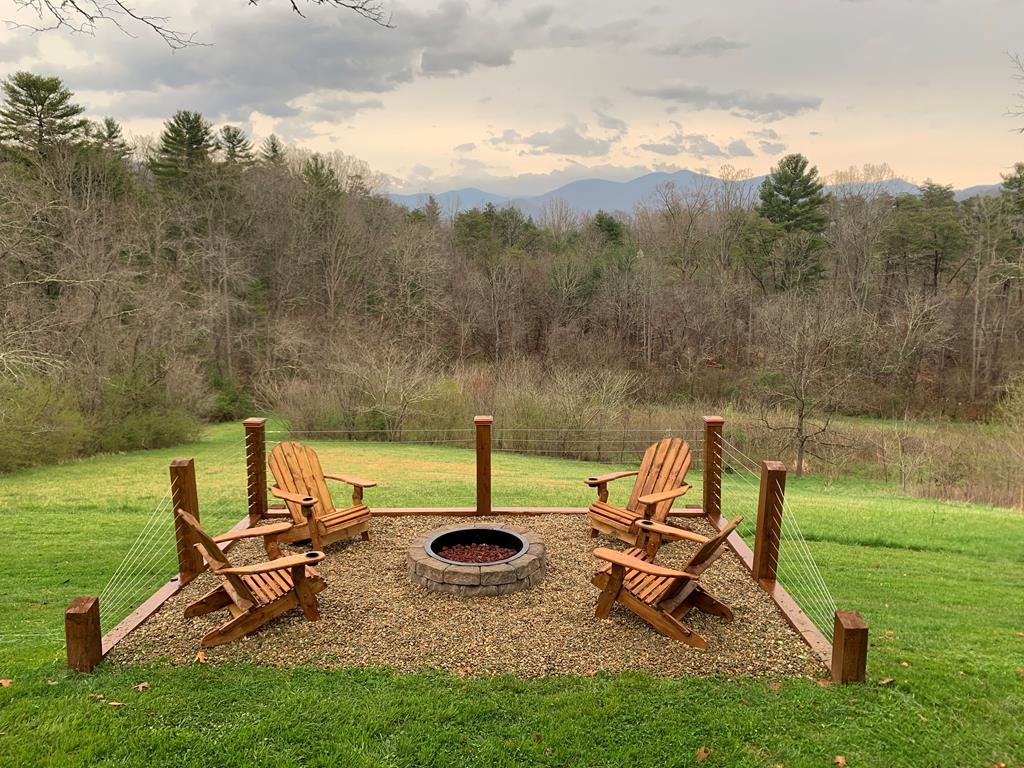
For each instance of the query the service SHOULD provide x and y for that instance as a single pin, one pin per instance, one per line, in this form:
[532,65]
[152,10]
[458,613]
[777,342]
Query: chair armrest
[656,498]
[356,481]
[593,482]
[295,498]
[636,564]
[249,533]
[281,564]
[670,531]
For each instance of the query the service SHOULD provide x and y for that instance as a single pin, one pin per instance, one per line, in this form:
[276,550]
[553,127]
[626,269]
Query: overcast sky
[520,97]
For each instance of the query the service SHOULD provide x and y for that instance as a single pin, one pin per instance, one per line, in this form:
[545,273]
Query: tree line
[147,285]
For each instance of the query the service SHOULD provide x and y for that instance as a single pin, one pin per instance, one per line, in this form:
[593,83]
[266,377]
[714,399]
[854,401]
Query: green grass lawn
[941,586]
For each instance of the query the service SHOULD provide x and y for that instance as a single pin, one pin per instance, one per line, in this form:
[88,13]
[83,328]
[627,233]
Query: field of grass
[940,584]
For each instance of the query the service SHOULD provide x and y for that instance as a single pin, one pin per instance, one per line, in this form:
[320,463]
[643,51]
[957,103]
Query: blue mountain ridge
[591,195]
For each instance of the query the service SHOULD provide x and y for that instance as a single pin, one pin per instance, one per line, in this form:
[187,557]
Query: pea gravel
[372,615]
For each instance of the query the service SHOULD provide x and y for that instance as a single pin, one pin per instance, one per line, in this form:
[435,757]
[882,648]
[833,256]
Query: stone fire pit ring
[522,571]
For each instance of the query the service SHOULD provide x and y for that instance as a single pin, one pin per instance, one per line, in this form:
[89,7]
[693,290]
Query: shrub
[136,412]
[40,422]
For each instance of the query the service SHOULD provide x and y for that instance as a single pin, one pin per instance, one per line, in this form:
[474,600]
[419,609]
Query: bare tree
[83,16]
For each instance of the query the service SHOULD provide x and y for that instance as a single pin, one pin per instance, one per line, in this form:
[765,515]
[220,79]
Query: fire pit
[476,560]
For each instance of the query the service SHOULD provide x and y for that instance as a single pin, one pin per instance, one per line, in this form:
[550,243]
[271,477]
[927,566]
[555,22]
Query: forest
[148,286]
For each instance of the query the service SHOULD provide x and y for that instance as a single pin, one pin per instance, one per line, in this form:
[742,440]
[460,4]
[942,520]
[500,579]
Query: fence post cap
[181,462]
[82,604]
[483,420]
[710,420]
[255,421]
[773,466]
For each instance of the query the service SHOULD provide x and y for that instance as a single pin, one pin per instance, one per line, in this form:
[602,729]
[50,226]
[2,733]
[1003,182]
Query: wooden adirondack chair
[662,596]
[301,484]
[254,594]
[659,481]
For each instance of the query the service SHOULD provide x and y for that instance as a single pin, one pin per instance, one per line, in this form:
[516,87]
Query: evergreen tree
[185,147]
[786,240]
[1012,190]
[610,227]
[792,197]
[235,145]
[107,136]
[38,113]
[320,177]
[272,150]
[941,227]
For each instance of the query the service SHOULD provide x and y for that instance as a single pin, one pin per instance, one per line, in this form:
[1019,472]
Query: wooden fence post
[483,464]
[713,467]
[82,634]
[256,467]
[769,520]
[849,648]
[185,497]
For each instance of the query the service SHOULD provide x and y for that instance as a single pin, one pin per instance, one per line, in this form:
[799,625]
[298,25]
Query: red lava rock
[476,553]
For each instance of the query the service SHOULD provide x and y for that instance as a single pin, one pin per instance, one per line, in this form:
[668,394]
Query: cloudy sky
[519,96]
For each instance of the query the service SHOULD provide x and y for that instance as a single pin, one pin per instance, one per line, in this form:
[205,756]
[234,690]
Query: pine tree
[235,145]
[786,237]
[792,197]
[185,147]
[272,150]
[1012,190]
[320,177]
[107,136]
[38,113]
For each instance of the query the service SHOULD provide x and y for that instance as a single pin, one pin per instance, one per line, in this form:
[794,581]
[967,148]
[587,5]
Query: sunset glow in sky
[520,97]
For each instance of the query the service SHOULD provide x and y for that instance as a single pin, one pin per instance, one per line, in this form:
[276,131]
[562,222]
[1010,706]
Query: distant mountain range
[591,195]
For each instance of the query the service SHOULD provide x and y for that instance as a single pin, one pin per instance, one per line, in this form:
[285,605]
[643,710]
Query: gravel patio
[373,615]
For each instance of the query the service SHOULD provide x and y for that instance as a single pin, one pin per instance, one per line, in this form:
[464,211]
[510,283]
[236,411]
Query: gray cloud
[710,46]
[769,134]
[611,123]
[739,148]
[697,145]
[469,146]
[267,59]
[766,107]
[569,139]
[772,147]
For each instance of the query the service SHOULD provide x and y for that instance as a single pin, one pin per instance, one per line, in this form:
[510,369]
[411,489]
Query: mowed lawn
[941,586]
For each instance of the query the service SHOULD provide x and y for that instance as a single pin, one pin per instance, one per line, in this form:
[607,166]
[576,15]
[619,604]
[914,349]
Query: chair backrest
[664,467]
[217,560]
[214,555]
[711,549]
[296,469]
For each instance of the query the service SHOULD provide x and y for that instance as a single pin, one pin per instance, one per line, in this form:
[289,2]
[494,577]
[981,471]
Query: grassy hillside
[940,585]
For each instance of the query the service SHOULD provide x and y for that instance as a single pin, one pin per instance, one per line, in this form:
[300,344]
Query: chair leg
[304,593]
[610,592]
[213,600]
[708,603]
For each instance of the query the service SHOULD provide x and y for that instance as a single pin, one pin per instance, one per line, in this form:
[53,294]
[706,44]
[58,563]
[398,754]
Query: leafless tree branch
[83,17]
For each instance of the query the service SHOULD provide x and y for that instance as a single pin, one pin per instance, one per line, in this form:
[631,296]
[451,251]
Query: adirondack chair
[254,594]
[301,485]
[659,481]
[662,596]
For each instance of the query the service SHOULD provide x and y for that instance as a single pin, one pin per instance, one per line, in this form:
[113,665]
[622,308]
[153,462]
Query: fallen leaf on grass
[96,696]
[116,703]
[775,685]
[904,663]
[824,683]
[201,657]
[140,687]
[5,683]
[1020,671]
[886,681]
[702,754]
[840,761]
[537,738]
[922,718]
